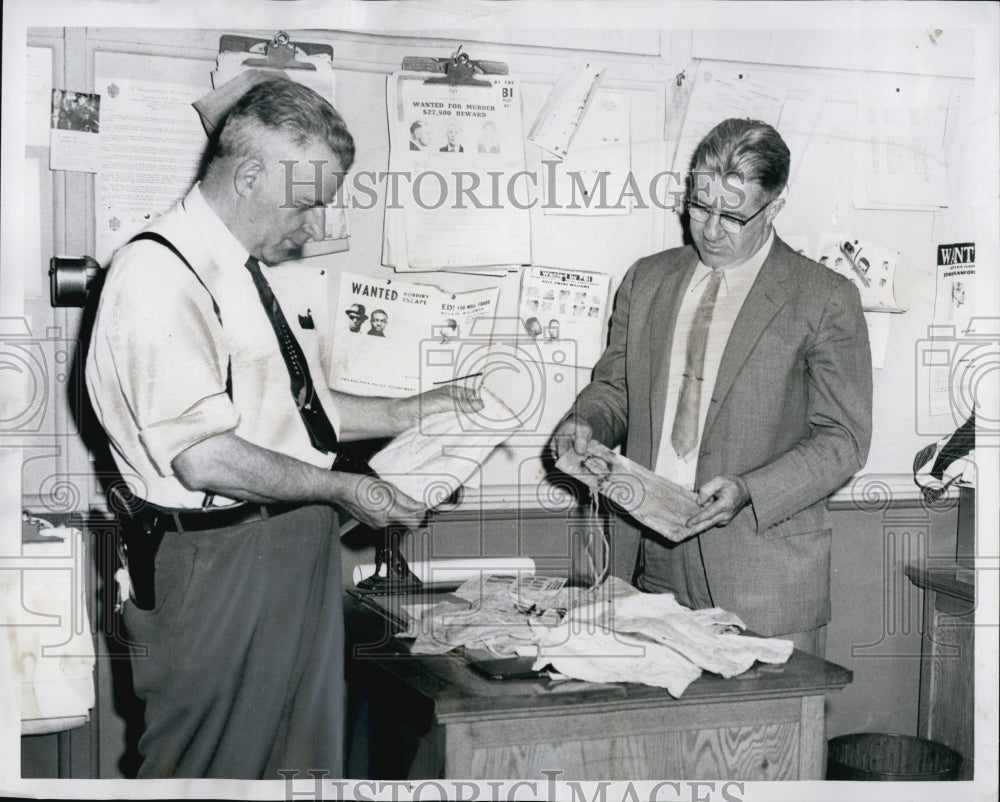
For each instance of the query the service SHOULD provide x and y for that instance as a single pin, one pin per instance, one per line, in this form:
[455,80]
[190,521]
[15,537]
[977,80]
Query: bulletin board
[818,108]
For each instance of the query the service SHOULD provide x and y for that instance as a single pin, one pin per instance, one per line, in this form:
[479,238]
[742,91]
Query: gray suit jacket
[790,412]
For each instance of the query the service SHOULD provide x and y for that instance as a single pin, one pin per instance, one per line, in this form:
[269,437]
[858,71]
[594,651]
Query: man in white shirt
[741,370]
[219,414]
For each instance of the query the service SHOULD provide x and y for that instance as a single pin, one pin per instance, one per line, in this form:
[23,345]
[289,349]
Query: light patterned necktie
[684,436]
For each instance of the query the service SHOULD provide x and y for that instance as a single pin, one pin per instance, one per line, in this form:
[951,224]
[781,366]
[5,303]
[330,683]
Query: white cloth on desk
[603,655]
[44,616]
[610,633]
[650,638]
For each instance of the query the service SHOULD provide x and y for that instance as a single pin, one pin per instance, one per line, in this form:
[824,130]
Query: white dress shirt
[156,370]
[736,283]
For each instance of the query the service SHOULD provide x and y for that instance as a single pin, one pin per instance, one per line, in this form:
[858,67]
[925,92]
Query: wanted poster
[394,338]
[954,300]
[459,198]
[564,312]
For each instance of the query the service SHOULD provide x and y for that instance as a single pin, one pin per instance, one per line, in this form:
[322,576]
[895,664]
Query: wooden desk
[947,659]
[433,717]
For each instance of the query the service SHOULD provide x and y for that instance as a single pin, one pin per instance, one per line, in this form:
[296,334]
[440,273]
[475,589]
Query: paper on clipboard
[242,64]
[559,119]
[460,148]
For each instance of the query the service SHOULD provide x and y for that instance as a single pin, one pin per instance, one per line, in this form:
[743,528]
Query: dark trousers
[241,661]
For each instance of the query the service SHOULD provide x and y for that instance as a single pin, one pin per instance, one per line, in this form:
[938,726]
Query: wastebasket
[882,756]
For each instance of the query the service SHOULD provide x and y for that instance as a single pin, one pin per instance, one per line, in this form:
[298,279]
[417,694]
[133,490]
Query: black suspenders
[159,238]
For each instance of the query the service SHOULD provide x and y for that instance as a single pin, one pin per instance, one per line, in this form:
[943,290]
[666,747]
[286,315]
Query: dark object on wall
[879,756]
[73,279]
[937,466]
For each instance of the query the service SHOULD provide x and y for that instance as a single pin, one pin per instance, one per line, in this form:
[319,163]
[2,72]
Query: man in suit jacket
[453,145]
[742,370]
[420,135]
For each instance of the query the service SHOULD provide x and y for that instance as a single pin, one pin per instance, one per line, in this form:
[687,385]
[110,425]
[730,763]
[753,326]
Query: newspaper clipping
[386,330]
[869,266]
[564,312]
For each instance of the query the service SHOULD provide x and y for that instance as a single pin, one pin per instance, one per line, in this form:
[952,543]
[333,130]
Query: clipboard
[278,53]
[456,70]
[264,58]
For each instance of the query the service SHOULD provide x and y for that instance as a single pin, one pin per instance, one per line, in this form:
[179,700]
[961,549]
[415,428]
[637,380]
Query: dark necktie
[321,433]
[684,436]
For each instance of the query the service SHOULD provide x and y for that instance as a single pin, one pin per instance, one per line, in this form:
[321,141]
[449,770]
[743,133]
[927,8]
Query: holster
[140,541]
[139,538]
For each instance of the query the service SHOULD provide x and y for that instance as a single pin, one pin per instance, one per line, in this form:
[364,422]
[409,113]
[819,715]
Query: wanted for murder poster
[460,198]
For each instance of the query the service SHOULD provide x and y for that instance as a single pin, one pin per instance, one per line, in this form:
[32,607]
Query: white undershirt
[736,283]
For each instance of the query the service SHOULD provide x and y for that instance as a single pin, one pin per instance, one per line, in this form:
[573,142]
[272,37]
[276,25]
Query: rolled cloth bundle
[652,500]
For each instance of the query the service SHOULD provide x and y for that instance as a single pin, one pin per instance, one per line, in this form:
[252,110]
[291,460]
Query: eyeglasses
[730,223]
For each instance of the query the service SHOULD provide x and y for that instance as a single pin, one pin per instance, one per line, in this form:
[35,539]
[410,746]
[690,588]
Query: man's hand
[720,499]
[377,503]
[465,399]
[367,417]
[573,433]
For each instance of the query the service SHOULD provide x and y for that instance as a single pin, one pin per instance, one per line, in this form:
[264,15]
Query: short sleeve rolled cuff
[210,416]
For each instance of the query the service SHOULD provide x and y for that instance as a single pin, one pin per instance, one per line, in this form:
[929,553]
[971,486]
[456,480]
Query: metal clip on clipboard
[280,53]
[261,60]
[458,69]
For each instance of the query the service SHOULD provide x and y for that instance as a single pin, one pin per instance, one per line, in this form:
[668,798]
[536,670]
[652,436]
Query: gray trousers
[241,661]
